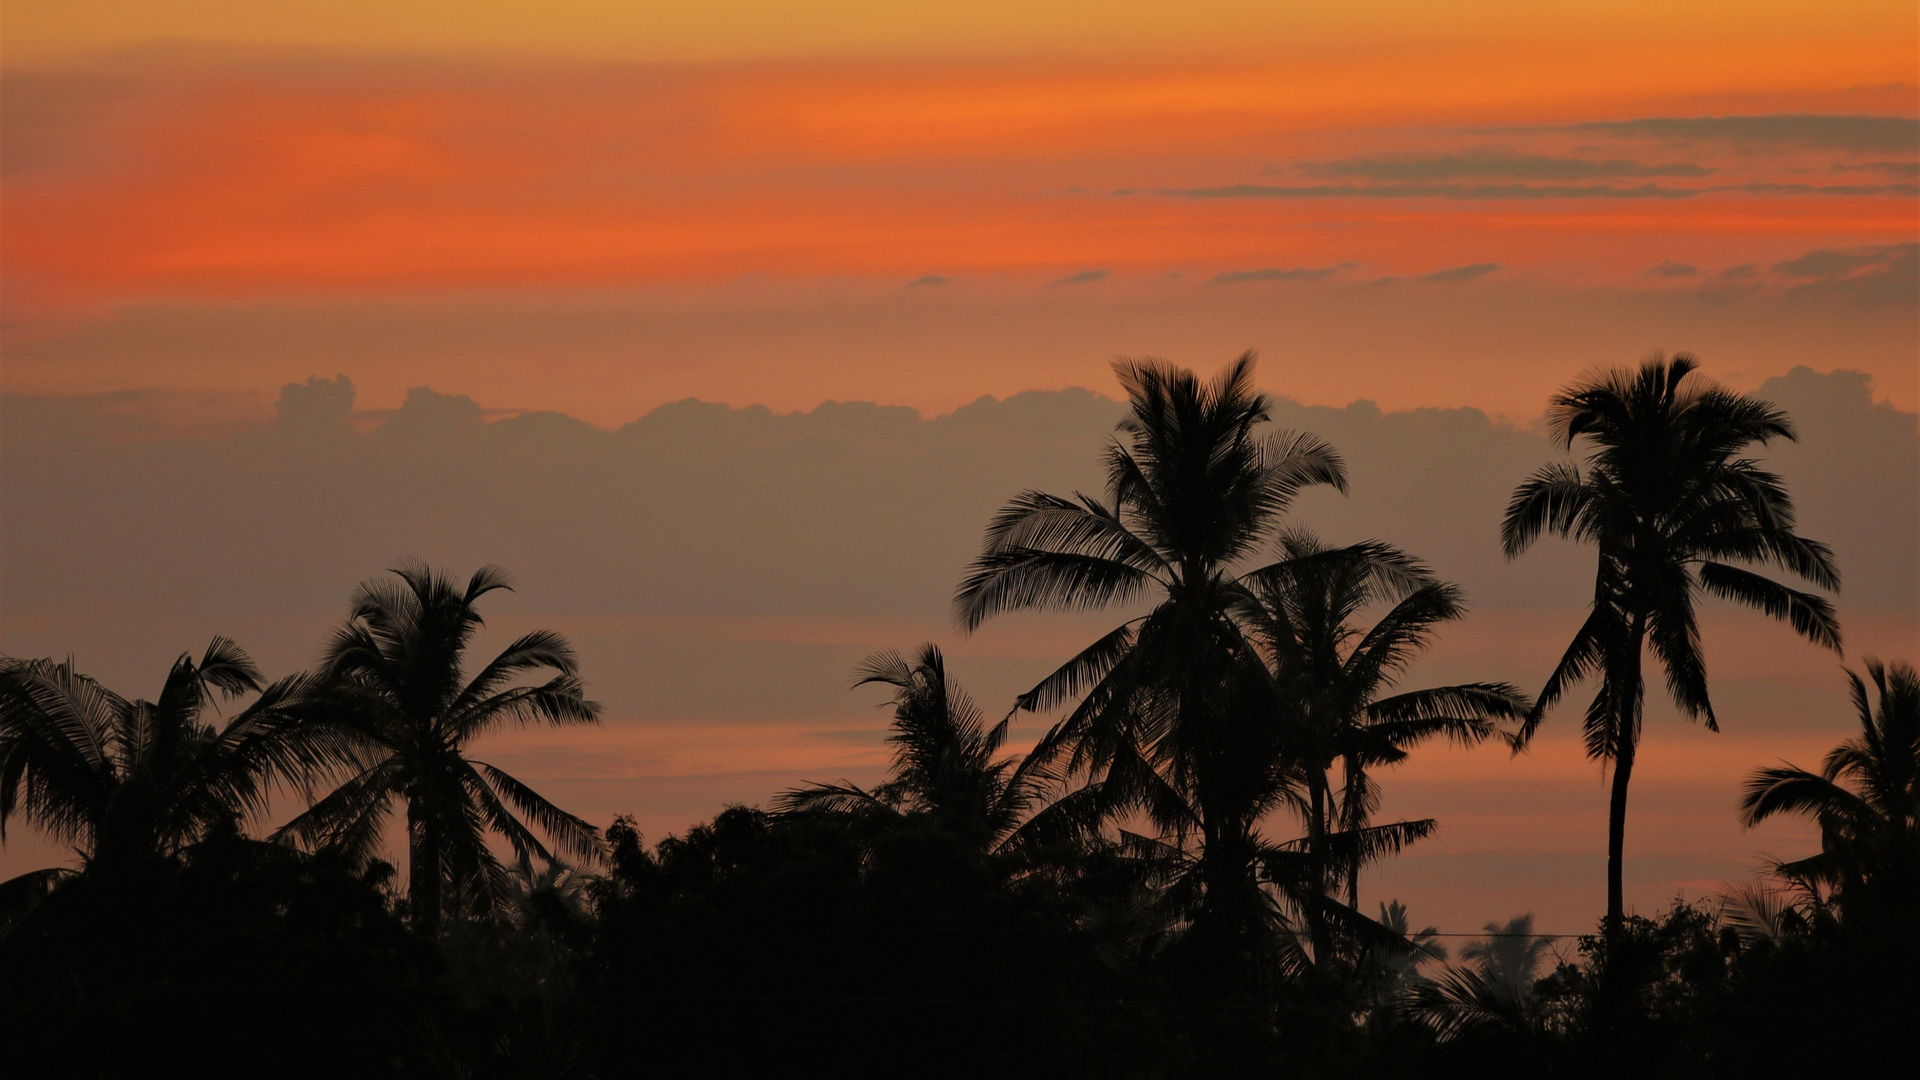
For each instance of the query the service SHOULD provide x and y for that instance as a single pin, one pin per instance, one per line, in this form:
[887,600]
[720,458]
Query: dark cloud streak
[1528,191]
[1829,132]
[1280,273]
[1491,164]
[1084,277]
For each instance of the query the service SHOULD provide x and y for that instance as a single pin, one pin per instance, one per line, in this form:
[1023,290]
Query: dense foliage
[1167,885]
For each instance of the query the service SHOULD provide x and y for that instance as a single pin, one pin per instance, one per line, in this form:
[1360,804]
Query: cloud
[1829,263]
[1849,133]
[1760,188]
[1279,273]
[926,280]
[1875,275]
[316,405]
[1491,164]
[1451,275]
[1430,191]
[1898,170]
[1084,277]
[1527,191]
[1667,268]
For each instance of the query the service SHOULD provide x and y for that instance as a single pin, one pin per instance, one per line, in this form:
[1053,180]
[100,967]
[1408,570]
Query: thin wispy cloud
[926,280]
[1898,170]
[1529,191]
[1280,273]
[1829,132]
[1888,274]
[1084,277]
[1491,164]
[1667,268]
[1830,263]
[1762,188]
[1430,191]
[1452,275]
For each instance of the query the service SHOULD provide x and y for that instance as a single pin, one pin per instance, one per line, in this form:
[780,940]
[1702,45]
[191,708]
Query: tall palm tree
[1191,492]
[393,682]
[1331,677]
[1870,824]
[128,782]
[1668,499]
[943,761]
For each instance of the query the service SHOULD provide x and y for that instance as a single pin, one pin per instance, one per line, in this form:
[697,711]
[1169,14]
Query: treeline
[1166,885]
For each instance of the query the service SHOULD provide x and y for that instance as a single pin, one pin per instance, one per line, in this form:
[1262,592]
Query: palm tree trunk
[1350,823]
[423,871]
[1626,703]
[1617,832]
[1317,847]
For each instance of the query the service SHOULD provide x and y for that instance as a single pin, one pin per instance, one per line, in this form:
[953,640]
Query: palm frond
[1810,615]
[573,836]
[1552,499]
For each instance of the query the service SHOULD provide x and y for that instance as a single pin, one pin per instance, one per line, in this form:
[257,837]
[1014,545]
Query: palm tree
[1157,730]
[1490,995]
[131,782]
[1329,676]
[1401,968]
[1510,954]
[1870,825]
[1667,499]
[943,761]
[393,683]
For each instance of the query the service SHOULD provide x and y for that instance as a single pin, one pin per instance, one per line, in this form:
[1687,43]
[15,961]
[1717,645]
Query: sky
[726,325]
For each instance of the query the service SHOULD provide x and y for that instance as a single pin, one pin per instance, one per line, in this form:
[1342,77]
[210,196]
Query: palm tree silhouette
[943,761]
[1403,967]
[129,782]
[1329,675]
[1869,831]
[1158,729]
[1666,498]
[393,683]
[1490,995]
[1510,954]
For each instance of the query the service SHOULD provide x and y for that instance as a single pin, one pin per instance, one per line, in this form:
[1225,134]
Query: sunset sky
[596,209]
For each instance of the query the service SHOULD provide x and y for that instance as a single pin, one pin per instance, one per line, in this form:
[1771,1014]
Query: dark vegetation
[1166,885]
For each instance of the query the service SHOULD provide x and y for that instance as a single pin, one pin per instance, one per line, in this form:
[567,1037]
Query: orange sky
[211,158]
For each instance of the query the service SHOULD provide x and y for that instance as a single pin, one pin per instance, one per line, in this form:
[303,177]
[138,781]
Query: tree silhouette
[1157,729]
[943,762]
[393,683]
[1870,830]
[1667,498]
[130,782]
[1510,954]
[1402,968]
[1329,675]
[1489,996]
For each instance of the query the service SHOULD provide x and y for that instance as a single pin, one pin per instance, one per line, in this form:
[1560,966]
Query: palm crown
[1866,796]
[1331,683]
[128,780]
[943,762]
[393,682]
